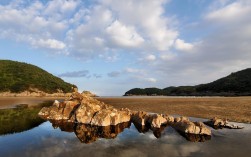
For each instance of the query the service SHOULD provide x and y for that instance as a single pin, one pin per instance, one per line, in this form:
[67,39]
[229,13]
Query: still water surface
[48,141]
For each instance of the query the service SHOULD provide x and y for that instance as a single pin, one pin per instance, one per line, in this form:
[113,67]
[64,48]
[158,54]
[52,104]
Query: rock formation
[84,109]
[218,123]
[88,114]
[182,124]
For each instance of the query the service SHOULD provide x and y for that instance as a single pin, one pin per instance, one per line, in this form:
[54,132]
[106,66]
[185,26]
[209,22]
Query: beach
[237,109]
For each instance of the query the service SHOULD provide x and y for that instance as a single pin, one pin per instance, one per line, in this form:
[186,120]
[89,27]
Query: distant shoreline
[34,94]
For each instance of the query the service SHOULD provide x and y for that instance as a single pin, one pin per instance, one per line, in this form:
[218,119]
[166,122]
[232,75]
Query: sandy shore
[236,109]
[9,102]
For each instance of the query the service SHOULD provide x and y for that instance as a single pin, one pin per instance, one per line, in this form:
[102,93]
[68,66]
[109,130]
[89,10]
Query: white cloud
[232,12]
[26,23]
[50,43]
[104,28]
[133,70]
[124,36]
[182,46]
[153,80]
[150,57]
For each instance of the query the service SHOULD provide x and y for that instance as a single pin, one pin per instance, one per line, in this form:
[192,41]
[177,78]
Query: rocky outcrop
[153,120]
[84,109]
[88,93]
[218,123]
[182,124]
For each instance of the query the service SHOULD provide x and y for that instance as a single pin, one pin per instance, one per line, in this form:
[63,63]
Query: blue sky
[111,46]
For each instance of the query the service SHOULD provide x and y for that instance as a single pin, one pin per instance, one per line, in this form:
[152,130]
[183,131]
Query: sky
[111,46]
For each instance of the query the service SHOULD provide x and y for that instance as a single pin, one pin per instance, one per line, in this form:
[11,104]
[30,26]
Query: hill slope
[235,84]
[17,77]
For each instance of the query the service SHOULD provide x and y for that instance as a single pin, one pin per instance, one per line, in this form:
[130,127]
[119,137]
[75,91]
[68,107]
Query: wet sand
[10,102]
[237,109]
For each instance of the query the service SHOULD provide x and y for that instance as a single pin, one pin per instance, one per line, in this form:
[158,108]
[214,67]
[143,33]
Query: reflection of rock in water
[157,131]
[64,126]
[195,137]
[145,128]
[141,128]
[87,133]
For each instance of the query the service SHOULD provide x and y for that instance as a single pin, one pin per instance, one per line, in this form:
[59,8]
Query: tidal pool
[56,139]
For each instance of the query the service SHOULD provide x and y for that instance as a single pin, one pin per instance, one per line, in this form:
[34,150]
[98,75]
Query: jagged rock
[183,125]
[59,111]
[82,108]
[88,93]
[180,119]
[140,117]
[169,119]
[218,123]
[156,120]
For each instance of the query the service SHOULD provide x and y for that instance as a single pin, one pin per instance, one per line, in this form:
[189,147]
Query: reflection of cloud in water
[171,144]
[51,142]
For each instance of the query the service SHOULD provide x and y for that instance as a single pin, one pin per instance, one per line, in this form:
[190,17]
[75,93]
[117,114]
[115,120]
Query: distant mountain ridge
[235,84]
[17,77]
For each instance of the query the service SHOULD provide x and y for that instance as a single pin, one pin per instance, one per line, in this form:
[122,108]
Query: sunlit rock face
[84,109]
[154,120]
[218,123]
[182,124]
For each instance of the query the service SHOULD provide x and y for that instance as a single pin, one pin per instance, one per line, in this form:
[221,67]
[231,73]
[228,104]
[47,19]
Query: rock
[218,123]
[140,117]
[169,119]
[84,109]
[185,126]
[180,119]
[75,96]
[156,120]
[88,93]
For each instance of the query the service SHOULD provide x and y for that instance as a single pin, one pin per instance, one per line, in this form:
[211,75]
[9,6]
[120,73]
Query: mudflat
[237,109]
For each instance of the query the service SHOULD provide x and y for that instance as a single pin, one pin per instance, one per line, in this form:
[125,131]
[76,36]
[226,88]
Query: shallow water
[45,140]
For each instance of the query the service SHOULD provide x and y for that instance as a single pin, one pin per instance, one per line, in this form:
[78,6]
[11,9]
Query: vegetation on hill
[17,77]
[236,84]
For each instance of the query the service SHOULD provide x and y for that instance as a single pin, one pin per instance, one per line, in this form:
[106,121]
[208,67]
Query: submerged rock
[218,123]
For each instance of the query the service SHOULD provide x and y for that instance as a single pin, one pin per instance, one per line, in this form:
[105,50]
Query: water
[49,140]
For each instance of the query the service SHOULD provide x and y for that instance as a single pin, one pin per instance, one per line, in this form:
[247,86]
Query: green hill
[17,77]
[235,84]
